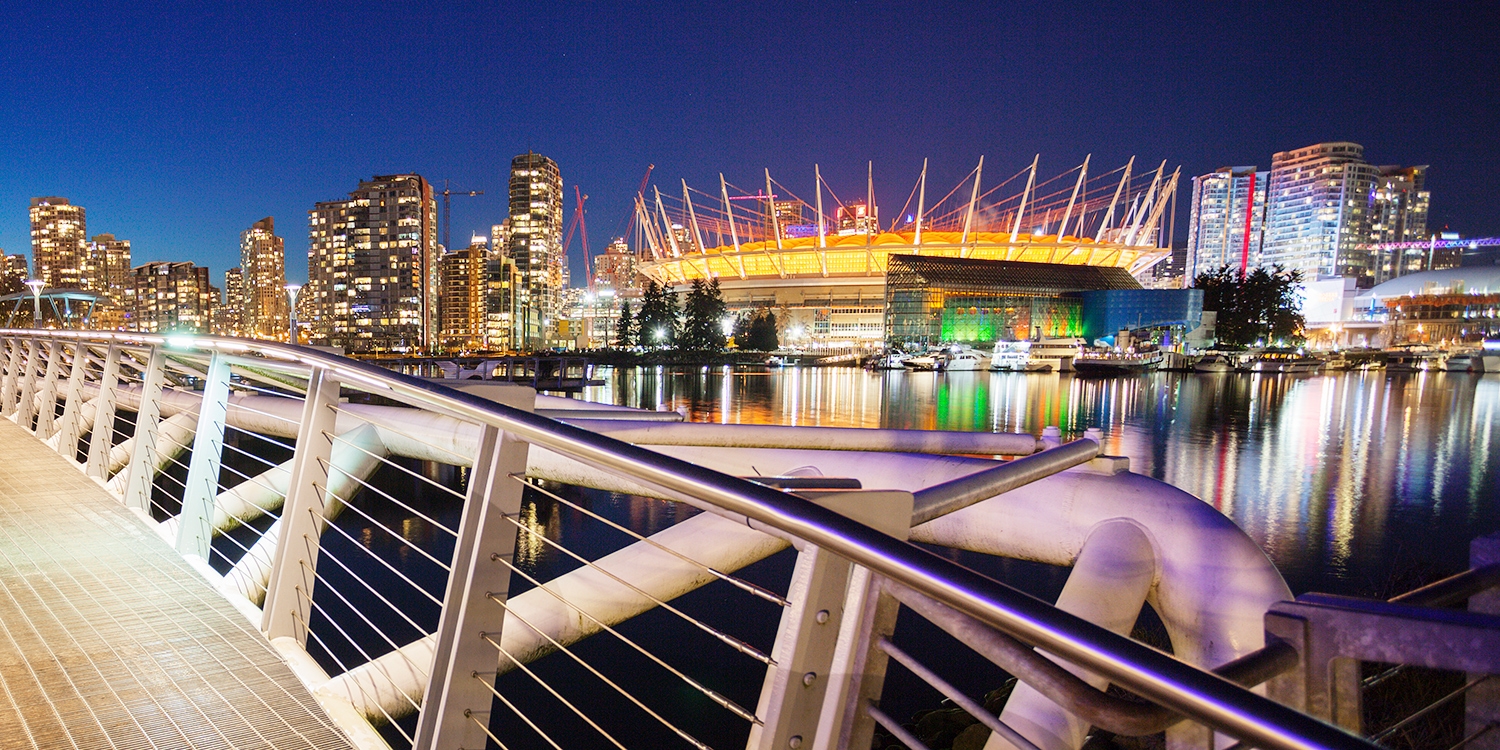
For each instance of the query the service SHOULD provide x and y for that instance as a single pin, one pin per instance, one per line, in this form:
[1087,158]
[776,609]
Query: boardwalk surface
[108,639]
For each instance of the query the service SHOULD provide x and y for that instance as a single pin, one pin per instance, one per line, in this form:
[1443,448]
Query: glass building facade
[1226,220]
[1318,218]
[935,300]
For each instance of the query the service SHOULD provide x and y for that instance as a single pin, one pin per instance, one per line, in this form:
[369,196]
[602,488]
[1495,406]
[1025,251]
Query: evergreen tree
[625,327]
[1261,306]
[762,335]
[703,318]
[656,323]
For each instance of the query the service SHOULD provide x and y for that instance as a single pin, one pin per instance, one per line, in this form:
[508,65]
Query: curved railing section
[384,532]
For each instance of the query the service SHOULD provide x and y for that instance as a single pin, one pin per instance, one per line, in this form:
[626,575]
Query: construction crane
[448,211]
[576,223]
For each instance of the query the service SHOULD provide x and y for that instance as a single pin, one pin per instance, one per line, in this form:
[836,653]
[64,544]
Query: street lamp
[291,294]
[37,285]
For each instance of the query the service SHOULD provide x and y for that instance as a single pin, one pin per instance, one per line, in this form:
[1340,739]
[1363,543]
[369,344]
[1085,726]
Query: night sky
[177,127]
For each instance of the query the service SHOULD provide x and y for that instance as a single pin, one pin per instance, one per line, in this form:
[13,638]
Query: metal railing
[412,623]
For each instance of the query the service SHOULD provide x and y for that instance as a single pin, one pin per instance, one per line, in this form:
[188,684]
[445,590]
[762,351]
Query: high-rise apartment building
[108,266]
[59,244]
[463,297]
[171,297]
[107,272]
[230,320]
[1318,217]
[1226,221]
[1398,213]
[14,266]
[615,268]
[263,312]
[535,245]
[373,267]
[502,284]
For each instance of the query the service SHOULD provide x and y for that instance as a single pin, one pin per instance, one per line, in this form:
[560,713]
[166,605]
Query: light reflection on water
[1352,482]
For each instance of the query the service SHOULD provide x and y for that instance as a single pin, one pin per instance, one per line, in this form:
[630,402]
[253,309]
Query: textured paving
[109,640]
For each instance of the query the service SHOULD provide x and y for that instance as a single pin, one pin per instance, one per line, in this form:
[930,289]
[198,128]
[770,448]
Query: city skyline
[612,94]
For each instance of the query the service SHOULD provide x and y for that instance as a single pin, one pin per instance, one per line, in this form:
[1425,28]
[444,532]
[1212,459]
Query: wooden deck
[108,639]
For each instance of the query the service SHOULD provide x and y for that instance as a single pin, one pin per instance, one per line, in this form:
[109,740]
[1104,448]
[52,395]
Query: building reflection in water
[1349,481]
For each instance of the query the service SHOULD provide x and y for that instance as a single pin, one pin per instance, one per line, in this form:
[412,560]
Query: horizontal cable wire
[725,638]
[470,716]
[362,652]
[389,531]
[247,454]
[894,727]
[369,699]
[739,583]
[555,694]
[462,459]
[387,602]
[712,695]
[240,405]
[1439,703]
[387,461]
[963,701]
[388,496]
[491,685]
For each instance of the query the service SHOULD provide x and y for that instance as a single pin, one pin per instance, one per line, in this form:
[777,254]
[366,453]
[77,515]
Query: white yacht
[1054,354]
[1213,363]
[1011,356]
[965,360]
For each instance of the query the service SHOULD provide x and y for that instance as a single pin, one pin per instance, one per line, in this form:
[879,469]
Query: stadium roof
[1020,276]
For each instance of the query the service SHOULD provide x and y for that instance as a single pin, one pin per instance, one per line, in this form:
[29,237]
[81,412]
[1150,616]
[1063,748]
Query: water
[1354,483]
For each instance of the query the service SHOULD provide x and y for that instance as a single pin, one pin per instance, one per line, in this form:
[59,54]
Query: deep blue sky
[179,125]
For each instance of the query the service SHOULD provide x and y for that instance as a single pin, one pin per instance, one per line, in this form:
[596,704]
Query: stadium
[821,265]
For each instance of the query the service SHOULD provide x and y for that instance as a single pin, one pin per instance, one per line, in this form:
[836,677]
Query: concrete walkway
[108,639]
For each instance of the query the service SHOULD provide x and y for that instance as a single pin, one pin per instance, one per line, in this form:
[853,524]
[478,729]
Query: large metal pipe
[841,438]
[389,684]
[174,437]
[942,499]
[1109,582]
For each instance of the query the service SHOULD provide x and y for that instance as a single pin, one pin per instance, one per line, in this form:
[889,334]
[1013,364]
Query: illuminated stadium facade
[823,272]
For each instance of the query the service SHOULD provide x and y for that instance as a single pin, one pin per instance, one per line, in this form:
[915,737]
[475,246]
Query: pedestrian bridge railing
[400,543]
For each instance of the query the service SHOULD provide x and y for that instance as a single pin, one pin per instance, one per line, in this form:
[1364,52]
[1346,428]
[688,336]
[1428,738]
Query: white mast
[873,215]
[822,228]
[771,209]
[667,225]
[973,200]
[1146,205]
[734,234]
[1083,174]
[1110,215]
[692,219]
[921,201]
[1015,230]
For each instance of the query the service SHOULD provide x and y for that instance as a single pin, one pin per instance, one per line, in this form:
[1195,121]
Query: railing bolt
[808,678]
[795,741]
[821,616]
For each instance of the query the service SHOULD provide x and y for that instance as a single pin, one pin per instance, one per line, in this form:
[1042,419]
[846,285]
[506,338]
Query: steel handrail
[1196,693]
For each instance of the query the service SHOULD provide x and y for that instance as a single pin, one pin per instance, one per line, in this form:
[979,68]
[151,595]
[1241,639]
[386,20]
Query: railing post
[140,471]
[463,660]
[46,416]
[102,437]
[26,409]
[805,674]
[72,416]
[290,588]
[194,532]
[12,376]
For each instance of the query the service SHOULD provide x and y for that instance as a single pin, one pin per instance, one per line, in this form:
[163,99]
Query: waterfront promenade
[108,638]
